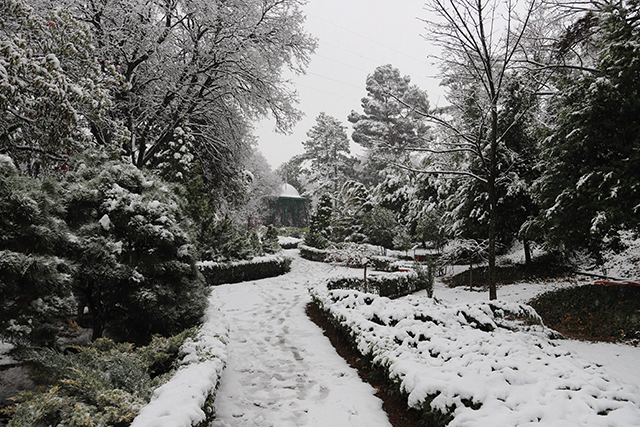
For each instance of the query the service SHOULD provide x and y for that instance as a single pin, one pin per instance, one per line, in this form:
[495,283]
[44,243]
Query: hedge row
[597,312]
[217,273]
[394,285]
[312,254]
[186,399]
[439,358]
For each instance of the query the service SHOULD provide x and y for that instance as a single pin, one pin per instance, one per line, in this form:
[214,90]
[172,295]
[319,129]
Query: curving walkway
[281,370]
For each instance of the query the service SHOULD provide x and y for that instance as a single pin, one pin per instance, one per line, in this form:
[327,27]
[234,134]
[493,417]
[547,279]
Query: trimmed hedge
[312,254]
[597,312]
[392,286]
[217,273]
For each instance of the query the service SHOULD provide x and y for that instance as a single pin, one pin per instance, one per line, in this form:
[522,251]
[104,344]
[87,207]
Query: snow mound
[183,400]
[482,363]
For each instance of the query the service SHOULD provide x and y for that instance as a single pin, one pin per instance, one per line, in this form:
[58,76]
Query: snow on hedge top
[181,401]
[484,363]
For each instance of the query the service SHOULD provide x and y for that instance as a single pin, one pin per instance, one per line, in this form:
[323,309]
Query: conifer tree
[589,186]
[35,281]
[136,258]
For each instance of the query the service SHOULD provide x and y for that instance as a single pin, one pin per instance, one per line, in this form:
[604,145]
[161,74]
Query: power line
[324,91]
[366,38]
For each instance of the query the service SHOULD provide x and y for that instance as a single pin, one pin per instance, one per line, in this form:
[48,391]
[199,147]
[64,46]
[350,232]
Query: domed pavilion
[290,209]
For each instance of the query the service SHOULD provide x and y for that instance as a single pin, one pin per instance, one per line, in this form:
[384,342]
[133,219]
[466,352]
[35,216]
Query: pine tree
[327,151]
[35,280]
[320,229]
[589,187]
[136,257]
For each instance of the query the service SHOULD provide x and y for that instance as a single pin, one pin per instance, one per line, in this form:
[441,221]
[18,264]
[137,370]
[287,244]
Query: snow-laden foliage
[136,258]
[186,399]
[320,229]
[35,278]
[206,67]
[327,152]
[478,364]
[387,125]
[106,383]
[50,84]
[589,189]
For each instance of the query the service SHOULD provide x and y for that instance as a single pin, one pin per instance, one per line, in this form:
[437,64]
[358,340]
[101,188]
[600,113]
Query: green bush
[217,273]
[312,253]
[270,243]
[380,225]
[102,384]
[391,286]
[134,248]
[316,240]
[36,279]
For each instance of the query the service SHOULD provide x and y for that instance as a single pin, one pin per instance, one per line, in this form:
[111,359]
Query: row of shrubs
[217,273]
[392,286]
[313,254]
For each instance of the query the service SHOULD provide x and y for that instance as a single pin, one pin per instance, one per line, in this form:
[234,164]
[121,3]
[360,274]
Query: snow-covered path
[281,370]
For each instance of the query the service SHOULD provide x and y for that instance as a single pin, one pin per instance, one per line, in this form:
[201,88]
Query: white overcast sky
[354,37]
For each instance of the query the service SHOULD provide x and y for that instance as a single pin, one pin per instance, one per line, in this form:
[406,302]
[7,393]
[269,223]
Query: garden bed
[485,363]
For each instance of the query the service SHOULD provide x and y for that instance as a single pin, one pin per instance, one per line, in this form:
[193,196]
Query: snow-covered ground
[281,370]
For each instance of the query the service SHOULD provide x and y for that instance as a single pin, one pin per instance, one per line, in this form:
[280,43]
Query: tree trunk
[365,278]
[527,253]
[491,183]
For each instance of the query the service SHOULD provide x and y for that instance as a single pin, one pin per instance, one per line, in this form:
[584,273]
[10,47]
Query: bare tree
[481,44]
[209,66]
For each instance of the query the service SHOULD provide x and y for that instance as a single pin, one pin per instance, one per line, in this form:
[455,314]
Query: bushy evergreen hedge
[217,273]
[312,254]
[101,384]
[391,286]
[596,312]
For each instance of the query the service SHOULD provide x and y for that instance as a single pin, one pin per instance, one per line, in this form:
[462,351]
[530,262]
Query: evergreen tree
[381,226]
[35,281]
[327,151]
[387,127]
[136,258]
[589,185]
[320,225]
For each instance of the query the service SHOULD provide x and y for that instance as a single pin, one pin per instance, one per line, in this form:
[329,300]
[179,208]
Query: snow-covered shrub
[288,242]
[312,253]
[388,285]
[478,364]
[187,398]
[270,242]
[135,254]
[383,263]
[101,384]
[217,273]
[316,240]
[350,255]
[35,279]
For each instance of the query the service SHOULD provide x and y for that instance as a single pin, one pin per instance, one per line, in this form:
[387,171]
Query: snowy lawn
[475,362]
